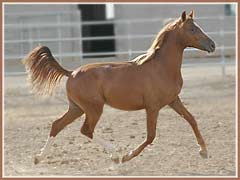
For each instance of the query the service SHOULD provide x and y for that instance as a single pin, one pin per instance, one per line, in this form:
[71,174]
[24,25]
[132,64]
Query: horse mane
[157,43]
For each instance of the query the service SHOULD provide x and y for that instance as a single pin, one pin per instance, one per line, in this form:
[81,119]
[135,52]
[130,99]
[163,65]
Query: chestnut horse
[150,81]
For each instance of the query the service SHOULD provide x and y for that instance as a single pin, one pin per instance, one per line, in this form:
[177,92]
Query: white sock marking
[108,146]
[46,148]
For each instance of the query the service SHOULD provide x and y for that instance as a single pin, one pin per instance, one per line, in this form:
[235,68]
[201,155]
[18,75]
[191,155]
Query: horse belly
[123,89]
[128,101]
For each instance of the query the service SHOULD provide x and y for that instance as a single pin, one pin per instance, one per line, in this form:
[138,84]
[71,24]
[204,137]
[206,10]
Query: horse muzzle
[211,47]
[208,46]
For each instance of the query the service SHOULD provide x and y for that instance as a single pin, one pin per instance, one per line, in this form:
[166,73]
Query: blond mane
[157,43]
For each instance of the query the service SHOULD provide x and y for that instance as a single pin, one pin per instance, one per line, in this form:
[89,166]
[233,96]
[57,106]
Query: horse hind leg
[93,113]
[72,113]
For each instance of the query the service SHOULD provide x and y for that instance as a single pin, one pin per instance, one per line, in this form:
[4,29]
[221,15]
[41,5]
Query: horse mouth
[210,51]
[208,46]
[211,47]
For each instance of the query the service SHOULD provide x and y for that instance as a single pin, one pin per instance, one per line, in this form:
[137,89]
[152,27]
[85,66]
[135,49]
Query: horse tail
[44,72]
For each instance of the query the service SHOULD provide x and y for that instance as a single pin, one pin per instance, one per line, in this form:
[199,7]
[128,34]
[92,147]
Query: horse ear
[191,14]
[183,17]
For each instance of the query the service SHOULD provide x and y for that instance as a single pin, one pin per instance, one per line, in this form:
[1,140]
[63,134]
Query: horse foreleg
[181,110]
[151,133]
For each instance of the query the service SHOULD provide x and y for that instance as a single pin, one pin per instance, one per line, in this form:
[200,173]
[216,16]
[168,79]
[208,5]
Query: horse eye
[192,29]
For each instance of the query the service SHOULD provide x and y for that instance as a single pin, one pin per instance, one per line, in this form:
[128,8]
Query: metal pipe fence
[59,39]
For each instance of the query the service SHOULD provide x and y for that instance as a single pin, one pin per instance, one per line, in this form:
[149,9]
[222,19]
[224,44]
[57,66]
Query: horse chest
[165,92]
[173,91]
[176,86]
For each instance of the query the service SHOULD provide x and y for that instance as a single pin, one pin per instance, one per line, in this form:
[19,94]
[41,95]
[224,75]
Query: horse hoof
[114,157]
[116,160]
[203,154]
[125,159]
[37,159]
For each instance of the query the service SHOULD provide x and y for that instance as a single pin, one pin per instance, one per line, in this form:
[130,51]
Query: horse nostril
[213,46]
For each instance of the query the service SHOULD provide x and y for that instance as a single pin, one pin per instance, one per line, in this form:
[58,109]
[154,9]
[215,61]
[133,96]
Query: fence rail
[59,25]
[141,36]
[111,53]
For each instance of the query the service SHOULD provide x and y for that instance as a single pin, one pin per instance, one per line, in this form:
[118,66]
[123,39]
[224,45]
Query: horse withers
[150,81]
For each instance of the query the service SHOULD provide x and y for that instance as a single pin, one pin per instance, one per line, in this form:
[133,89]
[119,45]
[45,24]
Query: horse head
[192,35]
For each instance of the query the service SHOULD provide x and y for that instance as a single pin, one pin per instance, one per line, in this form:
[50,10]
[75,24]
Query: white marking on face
[195,24]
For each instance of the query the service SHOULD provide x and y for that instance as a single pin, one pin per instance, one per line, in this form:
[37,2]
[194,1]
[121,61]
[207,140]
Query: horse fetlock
[86,132]
[203,153]
[128,156]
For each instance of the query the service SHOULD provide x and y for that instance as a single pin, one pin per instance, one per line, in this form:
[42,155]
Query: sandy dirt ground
[206,93]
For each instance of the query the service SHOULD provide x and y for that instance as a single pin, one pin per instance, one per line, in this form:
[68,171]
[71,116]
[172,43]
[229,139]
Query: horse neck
[170,54]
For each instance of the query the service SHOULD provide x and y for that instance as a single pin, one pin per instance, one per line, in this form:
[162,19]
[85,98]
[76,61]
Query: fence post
[30,32]
[59,32]
[222,46]
[80,38]
[38,35]
[129,40]
[21,44]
